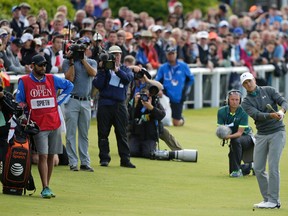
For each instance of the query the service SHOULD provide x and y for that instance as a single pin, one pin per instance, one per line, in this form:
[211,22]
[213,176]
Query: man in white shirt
[54,54]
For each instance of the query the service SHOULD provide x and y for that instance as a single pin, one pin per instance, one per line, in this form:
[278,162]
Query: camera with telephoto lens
[108,60]
[144,97]
[140,74]
[186,155]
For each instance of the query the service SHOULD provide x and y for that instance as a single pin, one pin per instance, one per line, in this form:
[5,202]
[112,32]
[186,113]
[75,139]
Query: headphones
[231,92]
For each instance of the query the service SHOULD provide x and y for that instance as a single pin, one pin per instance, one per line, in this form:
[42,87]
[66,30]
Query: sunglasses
[3,35]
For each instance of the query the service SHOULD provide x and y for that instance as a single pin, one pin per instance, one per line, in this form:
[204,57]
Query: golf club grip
[268,106]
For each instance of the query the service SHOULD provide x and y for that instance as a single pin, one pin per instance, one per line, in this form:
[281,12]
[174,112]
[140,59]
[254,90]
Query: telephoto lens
[187,155]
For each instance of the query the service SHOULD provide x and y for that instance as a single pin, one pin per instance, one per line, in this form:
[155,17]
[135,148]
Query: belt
[80,98]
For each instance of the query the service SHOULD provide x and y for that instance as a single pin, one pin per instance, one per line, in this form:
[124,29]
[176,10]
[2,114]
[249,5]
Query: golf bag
[16,176]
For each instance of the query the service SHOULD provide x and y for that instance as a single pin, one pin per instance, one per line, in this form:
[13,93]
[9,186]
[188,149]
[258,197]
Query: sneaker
[51,192]
[127,164]
[267,205]
[46,193]
[86,168]
[236,174]
[74,168]
[104,163]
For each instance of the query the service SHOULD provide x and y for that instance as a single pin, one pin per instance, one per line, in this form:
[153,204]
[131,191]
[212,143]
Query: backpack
[16,176]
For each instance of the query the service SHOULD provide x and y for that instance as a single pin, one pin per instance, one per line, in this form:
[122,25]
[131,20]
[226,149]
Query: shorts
[48,142]
[177,109]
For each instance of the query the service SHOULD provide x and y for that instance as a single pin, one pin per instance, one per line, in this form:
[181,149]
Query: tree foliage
[159,8]
[36,5]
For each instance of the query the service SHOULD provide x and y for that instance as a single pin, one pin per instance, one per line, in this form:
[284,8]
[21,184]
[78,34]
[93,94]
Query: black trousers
[117,116]
[3,148]
[237,147]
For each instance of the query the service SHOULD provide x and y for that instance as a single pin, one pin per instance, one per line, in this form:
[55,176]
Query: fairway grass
[154,187]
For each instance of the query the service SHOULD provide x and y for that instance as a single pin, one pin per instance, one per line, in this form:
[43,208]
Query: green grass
[154,187]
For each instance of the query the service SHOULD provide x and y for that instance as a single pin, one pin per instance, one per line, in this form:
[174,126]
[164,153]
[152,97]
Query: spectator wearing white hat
[203,50]
[160,43]
[28,49]
[223,28]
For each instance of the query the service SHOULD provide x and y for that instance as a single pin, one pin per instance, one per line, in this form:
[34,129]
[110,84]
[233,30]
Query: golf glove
[281,113]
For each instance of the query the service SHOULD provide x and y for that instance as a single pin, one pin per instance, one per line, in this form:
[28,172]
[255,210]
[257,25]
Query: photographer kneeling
[146,112]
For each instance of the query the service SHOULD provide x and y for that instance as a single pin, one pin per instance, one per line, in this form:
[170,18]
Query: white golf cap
[202,34]
[223,23]
[246,76]
[26,36]
[115,49]
[156,28]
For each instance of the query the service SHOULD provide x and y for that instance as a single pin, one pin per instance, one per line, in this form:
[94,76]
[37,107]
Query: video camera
[108,60]
[77,51]
[186,155]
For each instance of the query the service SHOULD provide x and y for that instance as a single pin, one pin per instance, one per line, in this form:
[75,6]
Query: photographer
[146,112]
[142,79]
[97,46]
[112,81]
[80,70]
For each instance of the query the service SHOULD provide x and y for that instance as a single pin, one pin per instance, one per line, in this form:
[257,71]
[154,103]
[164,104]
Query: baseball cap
[223,8]
[126,24]
[3,32]
[38,59]
[87,21]
[26,36]
[156,28]
[25,5]
[213,35]
[202,34]
[115,49]
[238,31]
[223,23]
[128,36]
[17,42]
[38,41]
[14,8]
[192,23]
[253,8]
[178,4]
[246,76]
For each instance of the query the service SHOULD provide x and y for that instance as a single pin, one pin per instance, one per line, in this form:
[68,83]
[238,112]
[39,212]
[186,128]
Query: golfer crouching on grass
[261,104]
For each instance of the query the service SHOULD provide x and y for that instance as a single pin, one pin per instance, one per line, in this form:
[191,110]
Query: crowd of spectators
[218,38]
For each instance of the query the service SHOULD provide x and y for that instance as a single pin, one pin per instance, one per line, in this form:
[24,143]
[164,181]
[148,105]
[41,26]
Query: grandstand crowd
[218,38]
